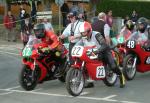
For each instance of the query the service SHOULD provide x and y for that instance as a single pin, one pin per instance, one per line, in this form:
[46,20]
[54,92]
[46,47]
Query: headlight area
[27,59]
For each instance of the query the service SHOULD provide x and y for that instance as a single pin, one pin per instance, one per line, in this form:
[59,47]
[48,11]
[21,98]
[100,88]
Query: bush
[123,8]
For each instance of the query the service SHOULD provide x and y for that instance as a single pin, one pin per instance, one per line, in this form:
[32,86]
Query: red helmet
[86,28]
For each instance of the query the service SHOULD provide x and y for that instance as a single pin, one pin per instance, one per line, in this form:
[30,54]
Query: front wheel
[128,69]
[110,78]
[28,78]
[74,81]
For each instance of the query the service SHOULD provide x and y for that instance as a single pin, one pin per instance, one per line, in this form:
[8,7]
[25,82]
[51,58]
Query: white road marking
[37,89]
[4,52]
[128,102]
[13,87]
[111,96]
[84,93]
[6,93]
[61,95]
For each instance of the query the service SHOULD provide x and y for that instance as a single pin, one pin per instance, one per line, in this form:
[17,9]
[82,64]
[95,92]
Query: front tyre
[128,69]
[110,78]
[27,80]
[74,81]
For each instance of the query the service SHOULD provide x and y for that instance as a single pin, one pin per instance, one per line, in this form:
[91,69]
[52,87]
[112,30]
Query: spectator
[72,32]
[67,21]
[101,26]
[64,11]
[27,29]
[81,17]
[75,7]
[134,16]
[48,25]
[85,15]
[22,17]
[10,24]
[81,8]
[109,18]
[126,19]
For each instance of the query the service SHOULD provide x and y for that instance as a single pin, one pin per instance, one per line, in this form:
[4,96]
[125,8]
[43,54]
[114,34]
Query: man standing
[101,26]
[10,24]
[72,32]
[48,25]
[64,11]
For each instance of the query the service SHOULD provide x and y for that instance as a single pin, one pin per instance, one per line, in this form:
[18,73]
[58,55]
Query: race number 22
[100,72]
[77,51]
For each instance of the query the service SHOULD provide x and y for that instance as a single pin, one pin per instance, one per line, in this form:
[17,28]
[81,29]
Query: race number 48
[131,44]
[100,72]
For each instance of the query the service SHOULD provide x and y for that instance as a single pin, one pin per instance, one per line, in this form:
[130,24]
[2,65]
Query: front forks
[134,63]
[33,70]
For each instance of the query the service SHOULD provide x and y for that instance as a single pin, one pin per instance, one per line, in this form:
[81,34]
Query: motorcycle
[39,67]
[137,59]
[86,64]
[120,50]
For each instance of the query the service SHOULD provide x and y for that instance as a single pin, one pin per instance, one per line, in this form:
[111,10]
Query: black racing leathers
[105,54]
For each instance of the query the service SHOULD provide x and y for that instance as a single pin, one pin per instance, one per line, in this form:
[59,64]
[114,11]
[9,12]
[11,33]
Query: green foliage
[123,8]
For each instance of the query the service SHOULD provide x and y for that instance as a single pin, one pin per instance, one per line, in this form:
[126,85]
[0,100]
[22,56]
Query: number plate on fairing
[27,51]
[148,60]
[131,44]
[100,72]
[77,51]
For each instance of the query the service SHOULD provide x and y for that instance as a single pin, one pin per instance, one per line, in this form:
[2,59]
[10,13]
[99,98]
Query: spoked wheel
[110,78]
[128,69]
[74,81]
[28,78]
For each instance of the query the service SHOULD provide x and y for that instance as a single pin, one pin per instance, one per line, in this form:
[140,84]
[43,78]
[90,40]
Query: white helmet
[85,27]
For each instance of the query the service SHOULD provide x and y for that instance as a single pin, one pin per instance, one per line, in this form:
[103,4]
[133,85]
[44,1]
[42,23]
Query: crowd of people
[76,27]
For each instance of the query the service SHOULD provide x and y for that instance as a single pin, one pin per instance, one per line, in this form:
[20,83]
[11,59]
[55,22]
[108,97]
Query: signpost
[59,3]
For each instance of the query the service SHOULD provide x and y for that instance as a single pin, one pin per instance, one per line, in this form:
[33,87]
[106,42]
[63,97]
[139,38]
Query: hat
[72,14]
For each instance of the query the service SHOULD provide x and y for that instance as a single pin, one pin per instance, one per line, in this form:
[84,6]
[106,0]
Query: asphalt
[136,91]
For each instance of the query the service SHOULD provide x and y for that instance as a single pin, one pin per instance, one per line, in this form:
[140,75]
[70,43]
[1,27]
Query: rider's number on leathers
[77,51]
[100,72]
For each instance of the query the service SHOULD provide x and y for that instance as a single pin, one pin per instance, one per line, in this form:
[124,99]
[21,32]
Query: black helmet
[130,25]
[142,24]
[39,30]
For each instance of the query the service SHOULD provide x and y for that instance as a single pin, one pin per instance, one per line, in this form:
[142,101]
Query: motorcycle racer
[141,35]
[127,30]
[54,46]
[103,48]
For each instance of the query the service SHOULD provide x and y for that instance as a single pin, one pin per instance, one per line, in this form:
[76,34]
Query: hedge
[123,8]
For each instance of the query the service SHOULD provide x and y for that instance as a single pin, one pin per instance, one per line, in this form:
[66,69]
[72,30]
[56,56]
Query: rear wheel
[28,78]
[110,78]
[74,81]
[128,69]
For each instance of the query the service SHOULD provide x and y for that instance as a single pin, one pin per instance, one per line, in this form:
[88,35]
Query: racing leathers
[56,50]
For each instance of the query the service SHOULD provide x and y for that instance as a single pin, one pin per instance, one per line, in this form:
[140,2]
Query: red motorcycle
[137,59]
[39,67]
[87,65]
[119,43]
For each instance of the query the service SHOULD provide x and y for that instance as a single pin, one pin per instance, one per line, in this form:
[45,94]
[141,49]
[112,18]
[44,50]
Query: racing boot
[122,81]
